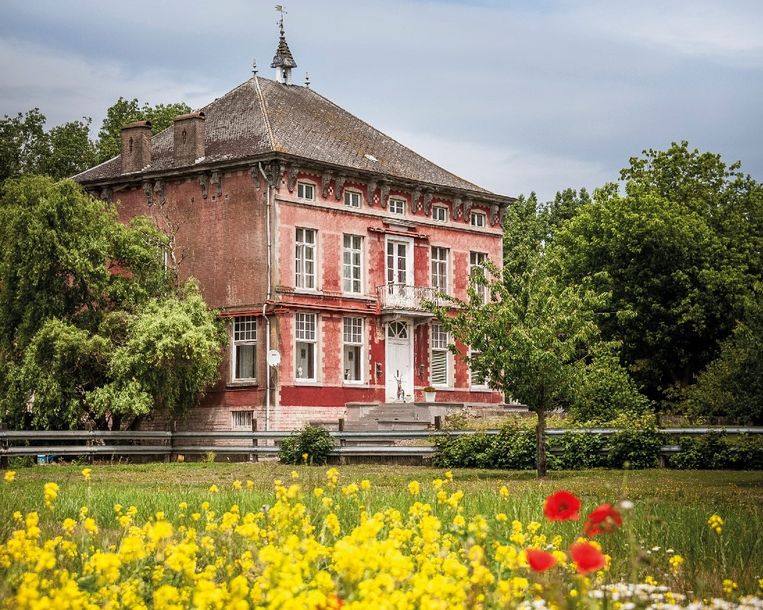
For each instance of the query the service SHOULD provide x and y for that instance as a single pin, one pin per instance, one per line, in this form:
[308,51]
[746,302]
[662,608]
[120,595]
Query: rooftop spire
[283,61]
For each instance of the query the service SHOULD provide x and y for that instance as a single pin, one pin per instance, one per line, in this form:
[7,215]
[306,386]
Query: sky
[515,95]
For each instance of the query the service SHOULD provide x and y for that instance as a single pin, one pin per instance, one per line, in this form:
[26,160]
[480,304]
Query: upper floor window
[352,199]
[478,219]
[352,264]
[440,268]
[306,340]
[305,190]
[304,263]
[440,213]
[477,273]
[352,336]
[245,348]
[397,206]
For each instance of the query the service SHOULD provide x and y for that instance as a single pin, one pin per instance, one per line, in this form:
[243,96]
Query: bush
[314,442]
[468,451]
[583,450]
[716,451]
[637,444]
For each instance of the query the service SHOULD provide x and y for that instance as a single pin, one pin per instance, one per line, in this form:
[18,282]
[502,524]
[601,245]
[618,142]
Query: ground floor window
[440,355]
[306,340]
[477,380]
[245,348]
[352,335]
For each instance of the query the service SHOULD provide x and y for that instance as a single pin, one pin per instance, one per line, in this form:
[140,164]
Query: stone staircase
[388,416]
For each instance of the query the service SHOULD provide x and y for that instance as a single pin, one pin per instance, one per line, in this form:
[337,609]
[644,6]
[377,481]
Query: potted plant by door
[429,393]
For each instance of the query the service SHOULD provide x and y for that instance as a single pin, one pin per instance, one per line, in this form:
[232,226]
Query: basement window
[242,420]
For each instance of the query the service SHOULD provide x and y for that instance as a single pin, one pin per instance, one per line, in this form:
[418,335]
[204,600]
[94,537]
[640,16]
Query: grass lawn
[670,513]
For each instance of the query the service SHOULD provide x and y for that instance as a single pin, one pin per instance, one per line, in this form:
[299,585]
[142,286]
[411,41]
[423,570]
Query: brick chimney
[136,146]
[189,138]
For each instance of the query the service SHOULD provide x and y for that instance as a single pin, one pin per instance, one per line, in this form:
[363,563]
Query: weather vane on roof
[282,10]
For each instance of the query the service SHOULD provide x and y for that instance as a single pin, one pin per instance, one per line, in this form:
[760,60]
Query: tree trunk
[540,439]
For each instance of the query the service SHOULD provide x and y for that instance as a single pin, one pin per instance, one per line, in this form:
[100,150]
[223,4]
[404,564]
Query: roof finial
[254,67]
[307,80]
[283,61]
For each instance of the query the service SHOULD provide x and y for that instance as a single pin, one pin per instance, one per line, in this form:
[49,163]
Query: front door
[399,369]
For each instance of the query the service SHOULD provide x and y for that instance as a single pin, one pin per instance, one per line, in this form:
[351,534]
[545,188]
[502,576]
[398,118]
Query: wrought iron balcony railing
[403,297]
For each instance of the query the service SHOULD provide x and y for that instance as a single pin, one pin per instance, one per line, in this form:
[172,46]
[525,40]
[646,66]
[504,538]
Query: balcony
[405,299]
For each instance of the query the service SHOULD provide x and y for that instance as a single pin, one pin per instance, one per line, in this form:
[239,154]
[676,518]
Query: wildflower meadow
[268,536]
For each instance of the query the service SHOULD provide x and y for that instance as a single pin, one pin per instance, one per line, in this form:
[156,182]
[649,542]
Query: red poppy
[602,520]
[540,561]
[587,557]
[561,506]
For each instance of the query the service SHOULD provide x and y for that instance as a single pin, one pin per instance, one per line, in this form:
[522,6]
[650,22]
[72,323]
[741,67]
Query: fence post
[5,445]
[172,457]
[254,457]
[438,422]
[342,442]
[88,443]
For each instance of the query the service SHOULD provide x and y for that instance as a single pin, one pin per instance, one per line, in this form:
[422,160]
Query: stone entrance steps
[387,416]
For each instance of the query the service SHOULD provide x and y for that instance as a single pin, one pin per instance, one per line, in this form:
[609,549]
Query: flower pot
[429,396]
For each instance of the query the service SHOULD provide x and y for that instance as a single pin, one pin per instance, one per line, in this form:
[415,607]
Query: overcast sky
[515,96]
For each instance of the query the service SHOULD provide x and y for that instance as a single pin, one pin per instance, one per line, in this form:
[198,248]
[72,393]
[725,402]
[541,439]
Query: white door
[399,369]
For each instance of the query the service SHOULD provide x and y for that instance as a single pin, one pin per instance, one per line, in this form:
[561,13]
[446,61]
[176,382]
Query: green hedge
[716,451]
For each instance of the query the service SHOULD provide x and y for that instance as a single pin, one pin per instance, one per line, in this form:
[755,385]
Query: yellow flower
[504,491]
[716,523]
[86,472]
[236,484]
[729,586]
[213,489]
[249,484]
[9,476]
[365,484]
[90,526]
[304,457]
[68,525]
[501,517]
[50,493]
[414,488]
[675,563]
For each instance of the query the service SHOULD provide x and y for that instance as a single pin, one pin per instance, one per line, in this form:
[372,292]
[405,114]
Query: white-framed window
[440,213]
[440,268]
[440,359]
[306,335]
[244,348]
[397,206]
[352,353]
[476,380]
[241,420]
[478,219]
[477,274]
[352,264]
[306,191]
[352,199]
[304,263]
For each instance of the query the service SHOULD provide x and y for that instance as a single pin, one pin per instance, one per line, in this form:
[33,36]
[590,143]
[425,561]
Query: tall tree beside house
[125,111]
[680,252]
[78,290]
[535,338]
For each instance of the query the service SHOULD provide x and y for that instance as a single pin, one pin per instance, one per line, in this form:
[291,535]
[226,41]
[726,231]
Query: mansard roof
[262,116]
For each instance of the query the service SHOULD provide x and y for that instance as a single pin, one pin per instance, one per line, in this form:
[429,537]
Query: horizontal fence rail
[94,443]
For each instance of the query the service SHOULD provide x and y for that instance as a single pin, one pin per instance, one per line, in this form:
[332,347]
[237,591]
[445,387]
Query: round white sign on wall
[274,357]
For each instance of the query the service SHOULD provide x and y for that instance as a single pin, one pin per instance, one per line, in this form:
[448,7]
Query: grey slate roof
[283,57]
[263,116]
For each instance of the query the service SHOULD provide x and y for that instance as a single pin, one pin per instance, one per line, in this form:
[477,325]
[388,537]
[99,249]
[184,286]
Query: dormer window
[352,199]
[478,219]
[397,206]
[440,213]
[306,191]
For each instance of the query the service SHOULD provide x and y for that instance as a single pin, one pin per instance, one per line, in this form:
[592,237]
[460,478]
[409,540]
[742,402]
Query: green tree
[125,111]
[536,338]
[678,251]
[78,290]
[26,148]
[732,385]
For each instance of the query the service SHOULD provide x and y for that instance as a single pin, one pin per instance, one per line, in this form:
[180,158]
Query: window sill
[355,384]
[242,383]
[307,382]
